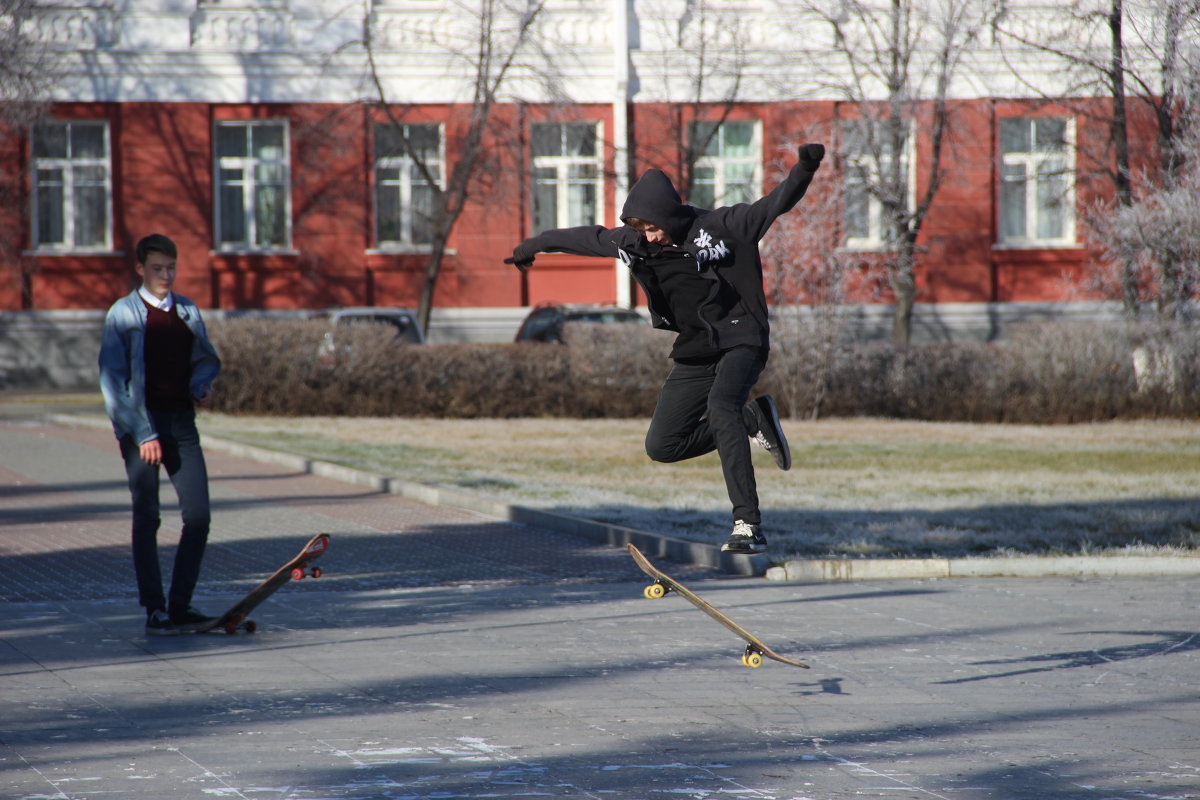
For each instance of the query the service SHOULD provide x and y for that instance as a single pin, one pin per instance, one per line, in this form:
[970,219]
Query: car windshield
[405,326]
[603,316]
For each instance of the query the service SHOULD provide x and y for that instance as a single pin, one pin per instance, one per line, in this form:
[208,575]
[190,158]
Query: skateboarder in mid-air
[702,276]
[156,365]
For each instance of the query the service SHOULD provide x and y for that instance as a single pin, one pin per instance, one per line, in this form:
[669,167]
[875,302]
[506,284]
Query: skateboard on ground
[663,583]
[296,569]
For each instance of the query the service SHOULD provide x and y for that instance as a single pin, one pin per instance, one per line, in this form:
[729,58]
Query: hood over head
[654,199]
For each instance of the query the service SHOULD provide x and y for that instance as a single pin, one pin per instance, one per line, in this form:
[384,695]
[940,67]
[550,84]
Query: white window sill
[406,250]
[283,251]
[1034,244]
[75,252]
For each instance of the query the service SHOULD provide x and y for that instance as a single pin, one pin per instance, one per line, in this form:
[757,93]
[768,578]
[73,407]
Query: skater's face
[653,233]
[158,273]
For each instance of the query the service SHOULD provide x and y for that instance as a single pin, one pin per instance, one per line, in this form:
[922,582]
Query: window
[727,169]
[404,195]
[1037,189]
[876,168]
[253,187]
[72,188]
[567,175]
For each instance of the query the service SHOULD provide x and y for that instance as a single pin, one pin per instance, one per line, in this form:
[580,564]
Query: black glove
[522,256]
[811,155]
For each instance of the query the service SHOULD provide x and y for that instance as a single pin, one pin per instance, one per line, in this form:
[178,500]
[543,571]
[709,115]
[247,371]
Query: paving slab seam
[697,553]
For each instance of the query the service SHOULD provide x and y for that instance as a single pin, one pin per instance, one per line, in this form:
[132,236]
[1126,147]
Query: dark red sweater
[168,360]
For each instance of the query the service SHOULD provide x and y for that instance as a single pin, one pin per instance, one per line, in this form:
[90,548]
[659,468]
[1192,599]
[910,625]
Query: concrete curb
[657,545]
[851,569]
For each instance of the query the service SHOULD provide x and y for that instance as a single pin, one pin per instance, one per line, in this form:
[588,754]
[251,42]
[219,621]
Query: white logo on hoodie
[707,250]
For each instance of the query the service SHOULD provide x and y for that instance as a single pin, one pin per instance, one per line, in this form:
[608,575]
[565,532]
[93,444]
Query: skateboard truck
[656,590]
[752,657]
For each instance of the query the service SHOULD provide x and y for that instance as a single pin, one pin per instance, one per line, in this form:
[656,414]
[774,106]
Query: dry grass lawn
[873,488]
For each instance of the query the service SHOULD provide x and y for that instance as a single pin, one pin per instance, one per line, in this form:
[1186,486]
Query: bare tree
[705,70]
[27,67]
[718,62]
[28,71]
[488,40]
[1159,230]
[1141,56]
[805,279]
[1172,202]
[894,62]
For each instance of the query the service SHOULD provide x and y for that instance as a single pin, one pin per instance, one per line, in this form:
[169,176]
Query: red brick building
[288,195]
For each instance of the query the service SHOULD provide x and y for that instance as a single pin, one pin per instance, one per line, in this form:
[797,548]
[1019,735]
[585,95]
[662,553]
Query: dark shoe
[190,620]
[159,624]
[769,435]
[746,539]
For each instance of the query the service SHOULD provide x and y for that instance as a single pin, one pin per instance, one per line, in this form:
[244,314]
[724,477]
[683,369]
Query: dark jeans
[184,462]
[701,408]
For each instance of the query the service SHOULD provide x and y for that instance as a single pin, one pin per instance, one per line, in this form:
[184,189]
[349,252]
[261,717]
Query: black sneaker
[769,435]
[746,539]
[190,620]
[159,624]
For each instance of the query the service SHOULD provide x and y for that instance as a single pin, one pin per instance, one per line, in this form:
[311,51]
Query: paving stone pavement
[446,654]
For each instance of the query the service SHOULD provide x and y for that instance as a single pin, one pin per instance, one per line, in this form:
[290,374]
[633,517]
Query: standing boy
[156,364]
[702,276]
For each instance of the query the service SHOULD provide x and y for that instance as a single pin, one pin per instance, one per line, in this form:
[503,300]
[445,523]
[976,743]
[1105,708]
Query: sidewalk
[451,654]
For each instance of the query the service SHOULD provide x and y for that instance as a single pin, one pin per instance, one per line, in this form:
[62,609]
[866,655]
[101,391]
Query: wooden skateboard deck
[296,569]
[663,583]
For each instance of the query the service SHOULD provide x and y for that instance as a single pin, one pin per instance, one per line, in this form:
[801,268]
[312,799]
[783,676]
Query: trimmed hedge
[275,368]
[1049,373]
[1046,373]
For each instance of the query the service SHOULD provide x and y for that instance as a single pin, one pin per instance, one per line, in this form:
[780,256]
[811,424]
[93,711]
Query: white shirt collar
[163,305]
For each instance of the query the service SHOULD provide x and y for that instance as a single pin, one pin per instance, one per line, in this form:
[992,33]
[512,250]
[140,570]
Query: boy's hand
[811,155]
[522,256]
[151,452]
[521,265]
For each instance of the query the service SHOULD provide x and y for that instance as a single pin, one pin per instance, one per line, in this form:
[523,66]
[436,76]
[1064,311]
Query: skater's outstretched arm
[750,221]
[587,240]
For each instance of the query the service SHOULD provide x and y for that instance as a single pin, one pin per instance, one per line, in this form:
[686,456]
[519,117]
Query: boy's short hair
[637,223]
[154,243]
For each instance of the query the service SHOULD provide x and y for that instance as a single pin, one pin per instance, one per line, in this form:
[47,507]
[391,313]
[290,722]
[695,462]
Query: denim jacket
[123,363]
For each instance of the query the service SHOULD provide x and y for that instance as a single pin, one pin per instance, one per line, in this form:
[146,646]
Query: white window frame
[876,239]
[562,165]
[720,163]
[247,165]
[67,167]
[1033,161]
[409,177]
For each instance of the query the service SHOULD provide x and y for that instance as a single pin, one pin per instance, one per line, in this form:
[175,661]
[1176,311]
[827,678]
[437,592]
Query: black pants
[701,408]
[184,462]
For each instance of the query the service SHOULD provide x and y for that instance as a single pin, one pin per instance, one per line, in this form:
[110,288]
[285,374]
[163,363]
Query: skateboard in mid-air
[664,583]
[296,569]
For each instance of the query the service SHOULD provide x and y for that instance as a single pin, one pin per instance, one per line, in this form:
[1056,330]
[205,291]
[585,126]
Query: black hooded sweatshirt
[707,285]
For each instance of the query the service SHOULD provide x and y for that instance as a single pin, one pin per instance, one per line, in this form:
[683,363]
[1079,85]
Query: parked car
[403,320]
[545,323]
